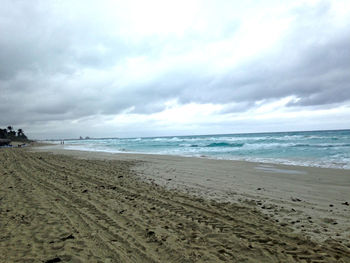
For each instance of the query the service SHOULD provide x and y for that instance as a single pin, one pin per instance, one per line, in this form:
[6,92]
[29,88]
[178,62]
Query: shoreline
[286,162]
[311,200]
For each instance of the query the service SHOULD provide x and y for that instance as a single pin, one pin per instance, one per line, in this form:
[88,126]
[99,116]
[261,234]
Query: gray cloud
[59,63]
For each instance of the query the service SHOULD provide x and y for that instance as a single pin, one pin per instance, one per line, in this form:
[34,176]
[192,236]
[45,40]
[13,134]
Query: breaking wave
[319,148]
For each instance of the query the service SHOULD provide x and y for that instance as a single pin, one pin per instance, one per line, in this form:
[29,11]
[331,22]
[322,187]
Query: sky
[157,68]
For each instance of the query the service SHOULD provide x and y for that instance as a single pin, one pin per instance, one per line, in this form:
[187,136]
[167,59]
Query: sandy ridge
[97,211]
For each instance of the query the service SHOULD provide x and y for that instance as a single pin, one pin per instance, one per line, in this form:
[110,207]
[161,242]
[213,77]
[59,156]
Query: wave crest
[224,144]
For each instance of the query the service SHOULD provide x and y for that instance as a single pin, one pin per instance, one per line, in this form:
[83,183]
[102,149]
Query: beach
[72,206]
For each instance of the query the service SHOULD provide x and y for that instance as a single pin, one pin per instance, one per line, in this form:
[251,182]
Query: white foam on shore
[339,164]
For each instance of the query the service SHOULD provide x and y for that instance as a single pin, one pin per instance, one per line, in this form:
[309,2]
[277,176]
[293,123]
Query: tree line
[11,134]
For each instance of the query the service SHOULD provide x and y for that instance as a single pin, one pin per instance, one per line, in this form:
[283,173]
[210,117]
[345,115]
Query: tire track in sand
[225,223]
[87,215]
[118,218]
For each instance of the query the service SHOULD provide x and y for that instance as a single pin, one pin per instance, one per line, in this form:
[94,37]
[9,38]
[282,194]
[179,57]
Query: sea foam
[315,148]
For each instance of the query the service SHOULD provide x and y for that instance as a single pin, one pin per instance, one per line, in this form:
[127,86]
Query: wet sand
[133,208]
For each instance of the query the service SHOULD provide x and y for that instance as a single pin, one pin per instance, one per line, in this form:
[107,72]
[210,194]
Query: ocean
[329,149]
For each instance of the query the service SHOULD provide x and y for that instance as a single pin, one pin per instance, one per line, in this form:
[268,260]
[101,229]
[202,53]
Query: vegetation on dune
[10,134]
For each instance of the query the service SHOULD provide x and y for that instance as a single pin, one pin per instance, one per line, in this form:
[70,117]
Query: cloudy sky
[151,68]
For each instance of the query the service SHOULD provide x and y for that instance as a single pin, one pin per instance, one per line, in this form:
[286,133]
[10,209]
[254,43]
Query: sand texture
[57,208]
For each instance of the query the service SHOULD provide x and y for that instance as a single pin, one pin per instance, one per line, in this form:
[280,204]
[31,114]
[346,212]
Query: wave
[323,145]
[214,144]
[224,144]
[188,145]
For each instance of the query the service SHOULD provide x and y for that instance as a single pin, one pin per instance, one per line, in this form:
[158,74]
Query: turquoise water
[314,148]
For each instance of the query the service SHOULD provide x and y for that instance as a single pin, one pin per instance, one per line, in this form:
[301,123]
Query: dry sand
[313,201]
[100,209]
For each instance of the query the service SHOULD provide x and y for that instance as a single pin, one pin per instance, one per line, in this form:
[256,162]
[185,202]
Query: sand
[134,208]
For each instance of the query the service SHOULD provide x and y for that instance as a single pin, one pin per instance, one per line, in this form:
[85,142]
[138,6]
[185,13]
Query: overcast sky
[151,68]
